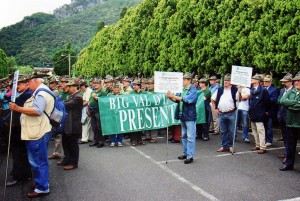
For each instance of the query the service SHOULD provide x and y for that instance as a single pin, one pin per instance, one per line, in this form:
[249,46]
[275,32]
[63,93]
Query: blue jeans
[188,137]
[38,159]
[269,129]
[116,138]
[227,123]
[243,116]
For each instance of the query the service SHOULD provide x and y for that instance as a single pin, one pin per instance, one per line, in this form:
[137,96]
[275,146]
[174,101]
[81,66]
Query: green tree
[63,58]
[4,70]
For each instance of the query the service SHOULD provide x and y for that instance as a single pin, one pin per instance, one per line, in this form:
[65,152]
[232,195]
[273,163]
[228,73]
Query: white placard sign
[241,76]
[15,84]
[168,81]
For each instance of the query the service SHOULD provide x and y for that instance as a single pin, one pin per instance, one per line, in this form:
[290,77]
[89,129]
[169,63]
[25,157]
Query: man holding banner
[186,112]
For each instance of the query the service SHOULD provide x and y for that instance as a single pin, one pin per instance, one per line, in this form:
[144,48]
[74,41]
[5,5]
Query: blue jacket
[258,103]
[273,107]
[189,105]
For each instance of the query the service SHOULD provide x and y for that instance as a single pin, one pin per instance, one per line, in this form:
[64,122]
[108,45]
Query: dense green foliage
[3,64]
[202,36]
[61,60]
[35,39]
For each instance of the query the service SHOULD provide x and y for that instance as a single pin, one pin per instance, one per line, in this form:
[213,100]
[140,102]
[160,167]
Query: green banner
[138,112]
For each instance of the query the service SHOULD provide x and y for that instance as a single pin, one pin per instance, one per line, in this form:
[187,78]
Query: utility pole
[69,59]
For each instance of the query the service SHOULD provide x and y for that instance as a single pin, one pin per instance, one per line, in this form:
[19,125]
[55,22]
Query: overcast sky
[13,11]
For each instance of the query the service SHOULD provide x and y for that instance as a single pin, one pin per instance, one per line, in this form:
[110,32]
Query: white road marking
[178,177]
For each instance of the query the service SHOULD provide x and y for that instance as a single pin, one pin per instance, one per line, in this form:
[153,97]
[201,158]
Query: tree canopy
[202,36]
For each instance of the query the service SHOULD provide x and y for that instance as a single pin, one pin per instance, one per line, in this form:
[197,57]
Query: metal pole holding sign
[240,76]
[13,99]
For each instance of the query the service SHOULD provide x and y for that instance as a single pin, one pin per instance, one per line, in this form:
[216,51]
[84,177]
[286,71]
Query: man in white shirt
[87,132]
[224,102]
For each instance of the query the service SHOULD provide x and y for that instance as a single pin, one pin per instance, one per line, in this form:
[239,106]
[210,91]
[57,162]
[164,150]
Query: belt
[230,111]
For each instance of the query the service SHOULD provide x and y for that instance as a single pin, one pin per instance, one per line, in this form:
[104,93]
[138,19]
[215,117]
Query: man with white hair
[36,131]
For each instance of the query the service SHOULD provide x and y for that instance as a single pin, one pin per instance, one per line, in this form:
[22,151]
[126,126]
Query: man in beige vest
[36,131]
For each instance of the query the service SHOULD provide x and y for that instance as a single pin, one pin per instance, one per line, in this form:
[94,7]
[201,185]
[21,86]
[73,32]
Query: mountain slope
[35,39]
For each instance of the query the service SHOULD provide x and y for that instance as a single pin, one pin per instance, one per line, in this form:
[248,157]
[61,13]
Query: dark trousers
[283,133]
[71,149]
[96,127]
[21,169]
[291,141]
[135,137]
[203,129]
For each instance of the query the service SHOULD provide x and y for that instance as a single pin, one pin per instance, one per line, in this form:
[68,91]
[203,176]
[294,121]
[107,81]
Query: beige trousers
[87,132]
[58,145]
[258,131]
[214,125]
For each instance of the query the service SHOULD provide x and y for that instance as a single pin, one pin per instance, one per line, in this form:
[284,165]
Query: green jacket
[291,100]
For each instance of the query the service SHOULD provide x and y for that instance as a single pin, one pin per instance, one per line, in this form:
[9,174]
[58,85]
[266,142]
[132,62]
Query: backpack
[58,115]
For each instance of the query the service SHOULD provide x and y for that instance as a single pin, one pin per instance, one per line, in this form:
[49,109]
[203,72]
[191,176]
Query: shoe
[112,144]
[34,194]
[120,144]
[205,139]
[281,139]
[12,182]
[231,150]
[100,145]
[54,156]
[182,157]
[285,168]
[170,139]
[94,144]
[223,149]
[70,167]
[255,149]
[211,131]
[153,140]
[175,141]
[82,142]
[268,144]
[60,163]
[262,151]
[246,140]
[283,161]
[188,160]
[281,156]
[216,133]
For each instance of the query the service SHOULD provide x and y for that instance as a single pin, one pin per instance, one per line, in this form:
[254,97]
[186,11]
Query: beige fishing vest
[35,127]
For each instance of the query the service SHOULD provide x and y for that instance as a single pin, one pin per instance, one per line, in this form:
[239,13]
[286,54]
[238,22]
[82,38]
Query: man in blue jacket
[258,101]
[271,110]
[186,112]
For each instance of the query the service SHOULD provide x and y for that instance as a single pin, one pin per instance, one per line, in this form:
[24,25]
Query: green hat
[136,81]
[108,78]
[227,77]
[268,78]
[257,77]
[213,77]
[187,76]
[23,78]
[126,79]
[203,80]
[150,80]
[116,85]
[74,82]
[287,78]
[297,76]
[195,80]
[97,80]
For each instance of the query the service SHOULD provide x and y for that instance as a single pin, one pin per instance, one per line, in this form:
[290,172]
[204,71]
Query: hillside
[201,36]
[35,39]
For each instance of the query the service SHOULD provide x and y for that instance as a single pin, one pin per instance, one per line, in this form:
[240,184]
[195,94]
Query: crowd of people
[226,108]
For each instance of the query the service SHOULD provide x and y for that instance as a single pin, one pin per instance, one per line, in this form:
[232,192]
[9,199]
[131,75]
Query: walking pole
[235,122]
[7,159]
[167,153]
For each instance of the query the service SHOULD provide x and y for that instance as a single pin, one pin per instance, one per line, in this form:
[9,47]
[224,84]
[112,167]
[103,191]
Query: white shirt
[226,102]
[87,94]
[243,104]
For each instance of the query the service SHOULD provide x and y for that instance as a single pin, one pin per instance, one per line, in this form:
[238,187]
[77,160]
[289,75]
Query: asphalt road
[142,174]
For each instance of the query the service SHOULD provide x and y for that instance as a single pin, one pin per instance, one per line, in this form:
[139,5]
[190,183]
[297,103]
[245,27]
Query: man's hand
[13,106]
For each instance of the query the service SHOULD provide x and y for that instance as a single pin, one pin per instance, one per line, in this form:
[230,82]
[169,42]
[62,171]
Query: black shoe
[82,142]
[281,139]
[188,160]
[170,139]
[12,182]
[175,141]
[182,157]
[100,145]
[94,144]
[285,168]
